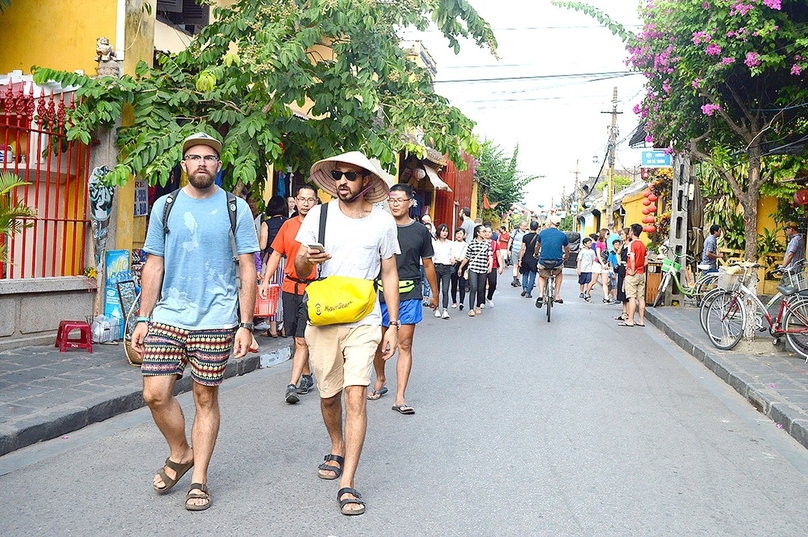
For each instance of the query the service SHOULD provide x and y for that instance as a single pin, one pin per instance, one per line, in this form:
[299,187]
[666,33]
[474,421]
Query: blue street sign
[656,159]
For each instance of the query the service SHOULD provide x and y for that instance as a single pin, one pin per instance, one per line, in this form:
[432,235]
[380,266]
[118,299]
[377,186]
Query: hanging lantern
[647,192]
[649,229]
[653,197]
[648,220]
[652,208]
[646,202]
[801,197]
[645,210]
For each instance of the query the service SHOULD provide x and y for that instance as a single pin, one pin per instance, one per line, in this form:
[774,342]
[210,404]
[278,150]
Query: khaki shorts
[545,273]
[342,356]
[635,286]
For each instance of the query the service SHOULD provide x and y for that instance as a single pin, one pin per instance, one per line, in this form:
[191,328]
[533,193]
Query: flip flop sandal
[198,491]
[404,409]
[623,323]
[356,500]
[325,467]
[179,469]
[377,394]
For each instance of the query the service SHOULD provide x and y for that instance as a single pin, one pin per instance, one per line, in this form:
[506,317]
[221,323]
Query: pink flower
[701,37]
[727,61]
[709,109]
[796,69]
[696,83]
[740,9]
[705,5]
[752,59]
[773,4]
[713,50]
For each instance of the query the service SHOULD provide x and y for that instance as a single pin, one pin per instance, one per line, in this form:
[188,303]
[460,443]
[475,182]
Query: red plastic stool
[85,340]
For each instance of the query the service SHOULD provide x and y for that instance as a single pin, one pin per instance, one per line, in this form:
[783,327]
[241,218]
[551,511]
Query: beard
[201,179]
[346,194]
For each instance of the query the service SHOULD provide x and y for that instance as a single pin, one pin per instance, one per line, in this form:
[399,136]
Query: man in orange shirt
[293,288]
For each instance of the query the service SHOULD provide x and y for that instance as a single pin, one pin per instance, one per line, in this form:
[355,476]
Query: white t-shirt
[442,252]
[459,250]
[356,245]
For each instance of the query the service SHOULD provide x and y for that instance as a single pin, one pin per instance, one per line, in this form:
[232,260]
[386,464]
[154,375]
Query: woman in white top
[459,246]
[444,261]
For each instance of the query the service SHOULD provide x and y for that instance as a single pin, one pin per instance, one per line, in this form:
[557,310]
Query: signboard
[141,198]
[656,159]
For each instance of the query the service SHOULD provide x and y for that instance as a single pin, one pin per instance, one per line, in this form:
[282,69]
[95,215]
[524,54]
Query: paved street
[576,427]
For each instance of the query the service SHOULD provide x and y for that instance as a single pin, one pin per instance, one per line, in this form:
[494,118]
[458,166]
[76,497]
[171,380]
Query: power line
[609,74]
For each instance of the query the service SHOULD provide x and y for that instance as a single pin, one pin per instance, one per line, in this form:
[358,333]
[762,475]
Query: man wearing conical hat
[360,241]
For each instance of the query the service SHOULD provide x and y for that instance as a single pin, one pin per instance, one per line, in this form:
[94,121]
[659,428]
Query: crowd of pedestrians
[198,319]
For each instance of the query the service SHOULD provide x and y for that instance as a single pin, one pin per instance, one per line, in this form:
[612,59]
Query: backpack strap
[167,209]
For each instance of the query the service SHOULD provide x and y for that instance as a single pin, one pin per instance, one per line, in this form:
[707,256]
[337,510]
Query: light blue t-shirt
[199,282]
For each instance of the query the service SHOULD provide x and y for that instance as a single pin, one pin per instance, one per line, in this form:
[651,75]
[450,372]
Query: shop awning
[436,181]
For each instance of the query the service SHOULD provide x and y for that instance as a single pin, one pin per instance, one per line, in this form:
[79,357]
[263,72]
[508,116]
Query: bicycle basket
[669,265]
[729,279]
[796,280]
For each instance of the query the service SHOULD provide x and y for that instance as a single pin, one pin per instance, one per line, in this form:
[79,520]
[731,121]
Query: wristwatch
[248,326]
[397,324]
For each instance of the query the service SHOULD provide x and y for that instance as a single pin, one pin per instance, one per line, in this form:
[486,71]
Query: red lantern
[652,208]
[653,197]
[645,210]
[647,192]
[646,202]
[648,220]
[801,197]
[649,229]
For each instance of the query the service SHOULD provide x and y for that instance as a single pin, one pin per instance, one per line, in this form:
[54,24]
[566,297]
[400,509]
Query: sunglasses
[351,176]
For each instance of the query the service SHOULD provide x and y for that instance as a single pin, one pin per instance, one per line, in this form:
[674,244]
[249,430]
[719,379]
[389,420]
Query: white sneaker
[482,306]
[490,303]
[454,306]
[437,312]
[445,314]
[263,325]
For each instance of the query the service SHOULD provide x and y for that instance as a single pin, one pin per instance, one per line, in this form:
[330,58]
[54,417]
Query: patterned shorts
[169,349]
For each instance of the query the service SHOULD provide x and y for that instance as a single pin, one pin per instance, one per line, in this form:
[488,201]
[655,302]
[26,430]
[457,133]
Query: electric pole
[612,148]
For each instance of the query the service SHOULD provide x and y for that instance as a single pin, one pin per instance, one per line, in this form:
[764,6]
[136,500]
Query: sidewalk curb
[66,420]
[768,402]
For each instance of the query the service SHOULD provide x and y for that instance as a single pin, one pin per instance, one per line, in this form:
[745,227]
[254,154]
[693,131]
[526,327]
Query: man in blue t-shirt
[554,248]
[191,312]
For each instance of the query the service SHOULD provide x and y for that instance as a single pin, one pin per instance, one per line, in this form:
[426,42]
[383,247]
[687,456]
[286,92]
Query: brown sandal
[198,491]
[179,469]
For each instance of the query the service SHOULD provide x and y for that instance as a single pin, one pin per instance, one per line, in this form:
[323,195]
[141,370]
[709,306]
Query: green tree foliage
[12,214]
[724,82]
[499,177]
[240,75]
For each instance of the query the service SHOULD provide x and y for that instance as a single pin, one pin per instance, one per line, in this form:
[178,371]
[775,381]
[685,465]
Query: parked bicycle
[704,283]
[792,276]
[727,320]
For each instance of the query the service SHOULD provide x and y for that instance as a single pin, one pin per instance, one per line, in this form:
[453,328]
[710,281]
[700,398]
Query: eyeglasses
[307,200]
[397,201]
[351,176]
[209,159]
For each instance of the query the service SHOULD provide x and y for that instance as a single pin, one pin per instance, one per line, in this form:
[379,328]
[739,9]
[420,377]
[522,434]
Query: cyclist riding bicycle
[552,249]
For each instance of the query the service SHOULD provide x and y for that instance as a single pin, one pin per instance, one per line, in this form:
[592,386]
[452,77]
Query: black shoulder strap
[167,209]
[231,211]
[323,217]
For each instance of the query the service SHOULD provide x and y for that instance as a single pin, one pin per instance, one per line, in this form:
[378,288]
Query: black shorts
[294,314]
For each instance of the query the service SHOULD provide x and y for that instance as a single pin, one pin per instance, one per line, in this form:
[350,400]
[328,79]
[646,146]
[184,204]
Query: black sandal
[330,467]
[356,500]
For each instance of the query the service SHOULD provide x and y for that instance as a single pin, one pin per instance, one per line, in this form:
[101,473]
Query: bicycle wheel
[726,318]
[705,306]
[706,283]
[795,325]
[663,284]
[549,296]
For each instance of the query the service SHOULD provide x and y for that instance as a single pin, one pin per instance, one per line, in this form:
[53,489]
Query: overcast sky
[527,98]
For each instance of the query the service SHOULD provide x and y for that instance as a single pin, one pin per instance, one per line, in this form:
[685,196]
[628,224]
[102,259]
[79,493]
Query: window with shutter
[173,6]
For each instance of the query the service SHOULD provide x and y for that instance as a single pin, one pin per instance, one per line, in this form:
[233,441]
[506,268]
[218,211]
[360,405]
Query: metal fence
[34,146]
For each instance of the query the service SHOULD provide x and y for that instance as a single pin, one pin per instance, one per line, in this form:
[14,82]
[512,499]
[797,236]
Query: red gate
[33,146]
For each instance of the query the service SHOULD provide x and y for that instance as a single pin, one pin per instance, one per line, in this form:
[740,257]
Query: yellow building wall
[633,207]
[56,34]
